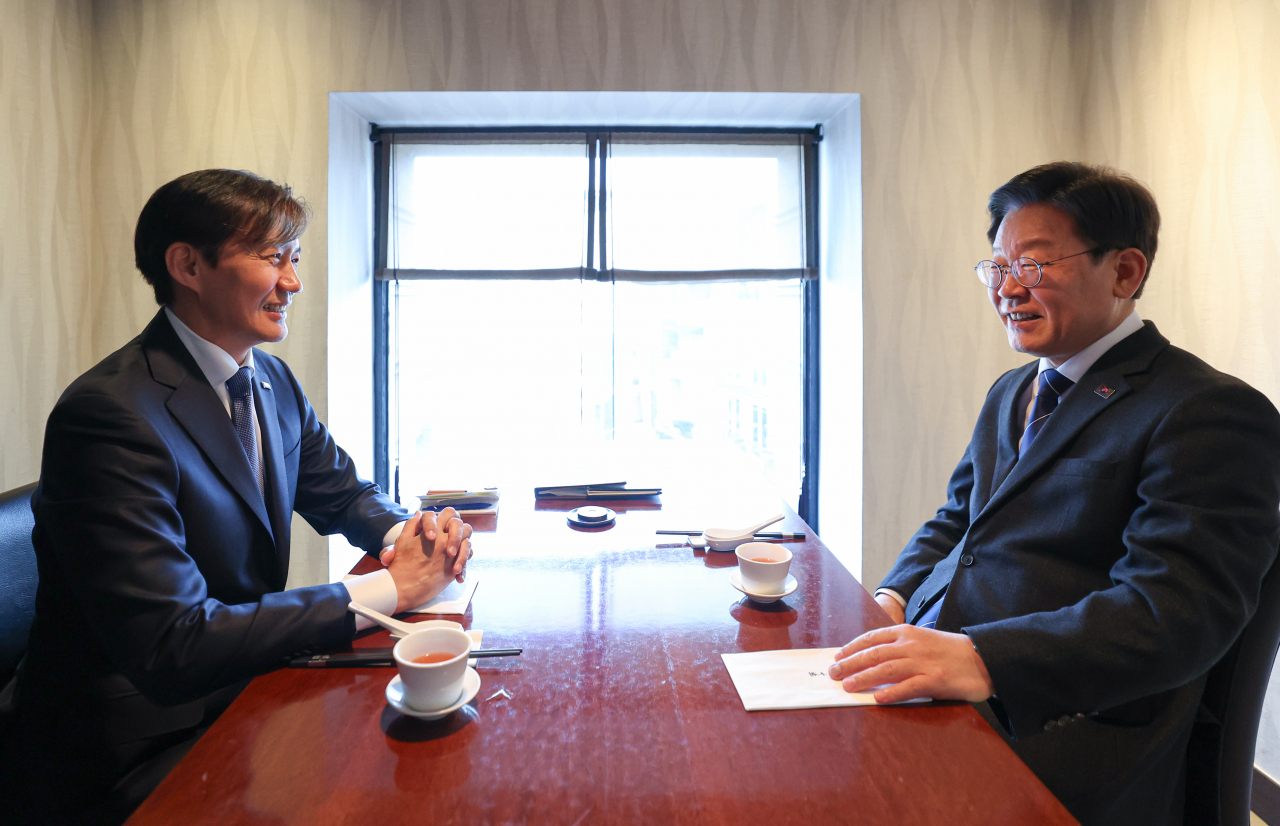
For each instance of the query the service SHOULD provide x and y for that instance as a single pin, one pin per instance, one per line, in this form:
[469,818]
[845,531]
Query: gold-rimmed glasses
[1026,271]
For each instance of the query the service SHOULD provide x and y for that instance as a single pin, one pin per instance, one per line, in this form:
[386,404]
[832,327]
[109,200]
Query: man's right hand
[422,561]
[893,608]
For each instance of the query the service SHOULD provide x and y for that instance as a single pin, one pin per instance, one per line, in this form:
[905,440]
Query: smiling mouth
[276,308]
[1021,316]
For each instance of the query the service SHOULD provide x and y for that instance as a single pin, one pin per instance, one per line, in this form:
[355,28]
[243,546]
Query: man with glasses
[1107,530]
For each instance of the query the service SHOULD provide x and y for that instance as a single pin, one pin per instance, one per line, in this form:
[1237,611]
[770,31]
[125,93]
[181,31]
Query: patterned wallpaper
[950,109]
[183,85]
[1185,94]
[46,314]
[103,100]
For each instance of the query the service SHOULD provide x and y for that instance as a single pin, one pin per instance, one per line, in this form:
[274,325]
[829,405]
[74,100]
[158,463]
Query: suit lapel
[1075,412]
[1102,386]
[197,408]
[1010,432]
[273,473]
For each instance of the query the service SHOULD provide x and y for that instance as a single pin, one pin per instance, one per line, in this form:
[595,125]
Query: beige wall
[46,313]
[938,88]
[1185,94]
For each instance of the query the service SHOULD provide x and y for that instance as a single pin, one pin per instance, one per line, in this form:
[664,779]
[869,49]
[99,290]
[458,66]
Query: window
[578,287]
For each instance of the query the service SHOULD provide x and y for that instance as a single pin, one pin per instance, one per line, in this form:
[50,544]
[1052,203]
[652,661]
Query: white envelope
[774,680]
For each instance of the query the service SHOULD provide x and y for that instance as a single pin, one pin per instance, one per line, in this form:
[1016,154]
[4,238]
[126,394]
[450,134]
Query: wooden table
[620,710]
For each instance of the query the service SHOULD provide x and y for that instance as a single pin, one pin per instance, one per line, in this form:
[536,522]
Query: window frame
[597,137]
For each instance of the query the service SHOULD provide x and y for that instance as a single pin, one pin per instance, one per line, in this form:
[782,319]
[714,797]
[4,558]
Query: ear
[1131,268]
[186,265]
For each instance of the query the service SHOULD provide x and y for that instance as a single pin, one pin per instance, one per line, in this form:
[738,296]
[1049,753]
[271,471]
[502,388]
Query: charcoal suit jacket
[162,567]
[1101,574]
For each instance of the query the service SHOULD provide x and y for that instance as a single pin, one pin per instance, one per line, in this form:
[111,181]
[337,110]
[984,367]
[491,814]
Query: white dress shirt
[1073,368]
[376,590]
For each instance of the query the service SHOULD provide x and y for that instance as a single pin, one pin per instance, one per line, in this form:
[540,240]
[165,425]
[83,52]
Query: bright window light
[493,378]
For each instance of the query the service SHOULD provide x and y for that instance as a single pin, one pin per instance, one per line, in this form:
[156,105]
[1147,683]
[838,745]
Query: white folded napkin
[477,637]
[772,680]
[452,600]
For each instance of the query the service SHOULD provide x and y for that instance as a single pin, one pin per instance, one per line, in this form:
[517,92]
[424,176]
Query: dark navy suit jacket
[1104,572]
[162,568]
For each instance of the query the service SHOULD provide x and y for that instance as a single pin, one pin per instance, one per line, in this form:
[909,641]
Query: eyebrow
[1031,243]
[279,249]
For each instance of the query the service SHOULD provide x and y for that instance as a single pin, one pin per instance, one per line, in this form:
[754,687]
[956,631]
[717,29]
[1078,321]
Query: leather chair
[1219,779]
[18,578]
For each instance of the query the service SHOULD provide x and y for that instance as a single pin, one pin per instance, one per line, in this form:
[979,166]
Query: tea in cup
[763,567]
[432,664]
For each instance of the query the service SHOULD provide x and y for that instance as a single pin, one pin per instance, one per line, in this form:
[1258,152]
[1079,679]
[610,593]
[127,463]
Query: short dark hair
[209,209]
[1111,210]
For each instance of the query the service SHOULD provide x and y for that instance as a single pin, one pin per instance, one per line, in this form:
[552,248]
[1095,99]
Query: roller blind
[607,206]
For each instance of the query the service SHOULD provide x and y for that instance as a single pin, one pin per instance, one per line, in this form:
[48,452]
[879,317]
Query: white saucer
[789,586]
[395,697]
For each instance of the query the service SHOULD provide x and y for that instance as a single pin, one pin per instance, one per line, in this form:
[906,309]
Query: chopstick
[380,657]
[756,536]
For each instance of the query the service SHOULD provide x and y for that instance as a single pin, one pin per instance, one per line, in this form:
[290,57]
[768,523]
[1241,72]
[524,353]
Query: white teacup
[431,686]
[765,577]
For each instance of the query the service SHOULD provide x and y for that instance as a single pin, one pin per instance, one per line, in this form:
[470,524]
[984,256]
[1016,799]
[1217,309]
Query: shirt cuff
[393,535]
[893,594]
[377,591]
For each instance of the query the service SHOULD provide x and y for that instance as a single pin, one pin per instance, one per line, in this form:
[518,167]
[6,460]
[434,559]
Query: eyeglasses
[1026,271]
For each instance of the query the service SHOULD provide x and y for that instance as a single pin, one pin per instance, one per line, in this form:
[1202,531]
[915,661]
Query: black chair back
[1220,755]
[18,577]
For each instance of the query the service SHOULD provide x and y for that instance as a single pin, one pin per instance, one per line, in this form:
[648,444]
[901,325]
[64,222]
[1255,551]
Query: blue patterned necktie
[1052,385]
[239,388]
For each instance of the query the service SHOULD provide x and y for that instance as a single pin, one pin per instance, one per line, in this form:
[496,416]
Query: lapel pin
[266,385]
[1104,391]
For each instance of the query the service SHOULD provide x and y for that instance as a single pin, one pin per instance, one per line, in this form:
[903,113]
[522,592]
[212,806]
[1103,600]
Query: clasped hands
[912,662]
[432,550]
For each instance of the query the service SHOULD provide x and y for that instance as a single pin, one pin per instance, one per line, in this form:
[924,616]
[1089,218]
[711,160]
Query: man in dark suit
[1106,532]
[169,477]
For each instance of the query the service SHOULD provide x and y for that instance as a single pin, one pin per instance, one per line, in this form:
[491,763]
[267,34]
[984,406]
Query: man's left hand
[913,662]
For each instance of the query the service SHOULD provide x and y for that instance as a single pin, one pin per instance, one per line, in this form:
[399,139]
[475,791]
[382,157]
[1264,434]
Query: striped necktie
[240,389]
[1052,385]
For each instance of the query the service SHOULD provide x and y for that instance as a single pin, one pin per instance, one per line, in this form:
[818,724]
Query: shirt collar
[217,364]
[1075,367]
